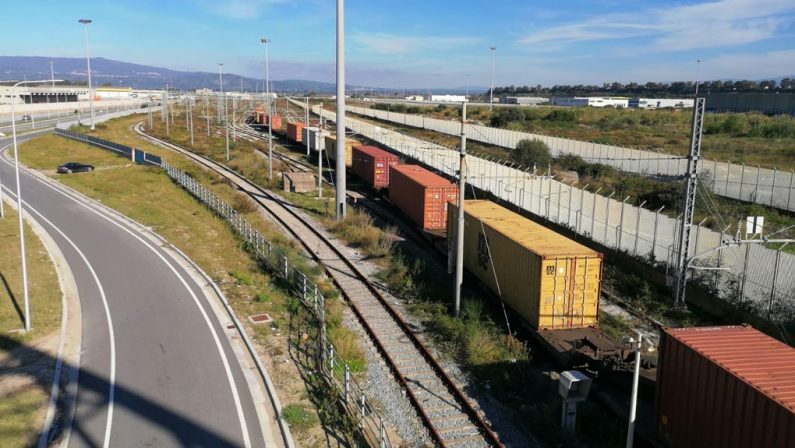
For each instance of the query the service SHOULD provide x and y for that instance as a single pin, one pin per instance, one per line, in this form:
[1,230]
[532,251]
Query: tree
[529,152]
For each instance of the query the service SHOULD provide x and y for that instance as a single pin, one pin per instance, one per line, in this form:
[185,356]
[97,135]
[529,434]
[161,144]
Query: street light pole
[459,240]
[221,87]
[19,203]
[340,201]
[268,111]
[491,91]
[634,400]
[698,74]
[88,63]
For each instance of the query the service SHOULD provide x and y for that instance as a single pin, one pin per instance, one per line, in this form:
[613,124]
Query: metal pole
[459,237]
[634,402]
[221,89]
[88,63]
[491,91]
[190,118]
[226,126]
[2,209]
[341,187]
[307,126]
[270,140]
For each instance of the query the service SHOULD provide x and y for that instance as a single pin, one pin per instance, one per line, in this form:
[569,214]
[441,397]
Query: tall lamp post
[19,200]
[268,111]
[698,75]
[340,201]
[88,63]
[491,91]
[221,87]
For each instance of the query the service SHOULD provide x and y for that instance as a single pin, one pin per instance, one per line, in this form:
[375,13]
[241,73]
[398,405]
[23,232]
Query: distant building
[448,98]
[106,93]
[660,103]
[415,98]
[766,103]
[528,100]
[590,101]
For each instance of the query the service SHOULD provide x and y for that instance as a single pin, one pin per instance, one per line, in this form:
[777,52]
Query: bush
[501,117]
[243,204]
[298,418]
[562,115]
[529,152]
[241,277]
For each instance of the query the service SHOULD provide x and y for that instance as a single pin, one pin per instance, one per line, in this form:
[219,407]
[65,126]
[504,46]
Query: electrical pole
[88,63]
[341,187]
[634,399]
[491,91]
[459,237]
[320,156]
[307,126]
[226,126]
[221,89]
[698,75]
[691,177]
[190,118]
[268,111]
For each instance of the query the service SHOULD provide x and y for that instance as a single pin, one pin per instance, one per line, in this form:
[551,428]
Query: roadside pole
[459,237]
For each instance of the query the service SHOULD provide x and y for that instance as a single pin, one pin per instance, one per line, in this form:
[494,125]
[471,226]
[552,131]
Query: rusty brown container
[372,164]
[294,131]
[728,387]
[275,121]
[422,195]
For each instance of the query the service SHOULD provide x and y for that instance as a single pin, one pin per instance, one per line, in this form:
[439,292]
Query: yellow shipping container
[331,149]
[550,280]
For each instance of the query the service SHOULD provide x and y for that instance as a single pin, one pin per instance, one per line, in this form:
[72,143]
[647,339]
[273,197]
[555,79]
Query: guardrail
[334,371]
[770,187]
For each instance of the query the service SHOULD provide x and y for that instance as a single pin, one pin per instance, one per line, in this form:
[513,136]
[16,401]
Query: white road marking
[224,359]
[112,379]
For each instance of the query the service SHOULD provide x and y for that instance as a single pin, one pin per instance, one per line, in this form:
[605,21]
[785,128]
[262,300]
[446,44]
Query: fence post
[756,188]
[745,273]
[364,408]
[286,273]
[331,359]
[382,438]
[654,236]
[773,287]
[303,287]
[773,187]
[638,212]
[593,214]
[742,182]
[347,383]
[728,174]
[789,193]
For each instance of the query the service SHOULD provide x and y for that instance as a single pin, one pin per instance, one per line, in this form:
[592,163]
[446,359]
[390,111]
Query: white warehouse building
[590,101]
[653,103]
[448,98]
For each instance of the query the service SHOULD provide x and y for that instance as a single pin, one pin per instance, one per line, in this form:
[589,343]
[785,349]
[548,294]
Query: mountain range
[118,73]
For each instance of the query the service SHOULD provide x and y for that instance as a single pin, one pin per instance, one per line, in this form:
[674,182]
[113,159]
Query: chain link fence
[754,277]
[773,188]
[332,370]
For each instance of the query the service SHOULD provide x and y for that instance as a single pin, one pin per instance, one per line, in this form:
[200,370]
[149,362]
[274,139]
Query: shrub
[298,417]
[529,152]
[261,298]
[241,277]
[562,115]
[243,204]
[501,117]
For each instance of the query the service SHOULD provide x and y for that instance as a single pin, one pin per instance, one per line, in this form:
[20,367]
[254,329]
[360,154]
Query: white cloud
[384,43]
[704,25]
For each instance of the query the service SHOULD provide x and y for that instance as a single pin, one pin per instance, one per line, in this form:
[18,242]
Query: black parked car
[74,167]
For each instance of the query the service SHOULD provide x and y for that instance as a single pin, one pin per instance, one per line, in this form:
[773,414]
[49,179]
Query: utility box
[573,387]
[295,182]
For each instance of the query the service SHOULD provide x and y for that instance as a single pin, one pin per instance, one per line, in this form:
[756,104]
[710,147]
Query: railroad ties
[451,419]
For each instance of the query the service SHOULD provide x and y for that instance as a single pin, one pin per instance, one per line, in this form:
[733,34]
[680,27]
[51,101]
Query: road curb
[69,347]
[189,266]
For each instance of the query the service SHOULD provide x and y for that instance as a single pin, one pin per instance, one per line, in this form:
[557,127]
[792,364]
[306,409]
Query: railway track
[451,419]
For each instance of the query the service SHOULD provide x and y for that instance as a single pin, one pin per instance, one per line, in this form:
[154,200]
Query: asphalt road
[156,367]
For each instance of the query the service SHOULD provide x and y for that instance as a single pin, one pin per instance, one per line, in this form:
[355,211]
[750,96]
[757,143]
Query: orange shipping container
[294,131]
[372,164]
[422,195]
[277,122]
[730,387]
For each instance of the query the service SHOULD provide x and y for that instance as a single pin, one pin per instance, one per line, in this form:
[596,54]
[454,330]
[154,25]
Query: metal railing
[334,371]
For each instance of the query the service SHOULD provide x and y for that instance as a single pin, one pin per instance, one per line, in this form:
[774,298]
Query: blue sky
[430,43]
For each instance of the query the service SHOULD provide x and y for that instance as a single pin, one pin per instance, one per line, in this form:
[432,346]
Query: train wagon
[422,195]
[331,148]
[551,281]
[372,164]
[275,121]
[730,386]
[315,137]
[294,131]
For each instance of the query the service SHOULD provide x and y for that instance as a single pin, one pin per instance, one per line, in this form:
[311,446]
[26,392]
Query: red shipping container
[277,122]
[728,386]
[372,164]
[294,131]
[422,195]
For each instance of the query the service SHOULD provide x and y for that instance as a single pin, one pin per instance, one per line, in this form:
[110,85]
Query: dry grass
[22,408]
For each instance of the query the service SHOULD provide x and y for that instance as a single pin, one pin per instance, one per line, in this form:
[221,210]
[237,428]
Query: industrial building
[590,101]
[415,98]
[526,100]
[766,103]
[448,98]
[661,103]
